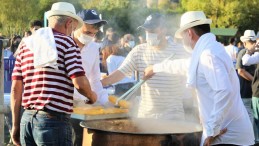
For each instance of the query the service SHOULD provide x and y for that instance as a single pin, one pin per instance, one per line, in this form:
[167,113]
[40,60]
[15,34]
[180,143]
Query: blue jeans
[45,128]
[248,105]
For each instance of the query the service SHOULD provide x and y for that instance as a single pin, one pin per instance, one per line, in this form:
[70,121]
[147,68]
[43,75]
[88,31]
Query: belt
[46,111]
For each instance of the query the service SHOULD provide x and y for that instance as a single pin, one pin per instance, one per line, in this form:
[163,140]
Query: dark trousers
[77,132]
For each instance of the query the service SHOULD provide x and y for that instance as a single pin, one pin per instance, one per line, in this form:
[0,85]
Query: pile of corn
[122,103]
[98,110]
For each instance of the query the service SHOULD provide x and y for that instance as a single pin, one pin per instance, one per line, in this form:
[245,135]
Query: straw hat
[191,19]
[248,35]
[64,8]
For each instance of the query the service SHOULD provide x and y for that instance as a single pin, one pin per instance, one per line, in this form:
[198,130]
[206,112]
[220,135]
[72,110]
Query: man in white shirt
[84,37]
[161,97]
[89,50]
[211,73]
[232,50]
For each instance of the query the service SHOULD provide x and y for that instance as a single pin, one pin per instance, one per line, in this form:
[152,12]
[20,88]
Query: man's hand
[114,77]
[253,49]
[148,73]
[93,98]
[210,139]
[15,135]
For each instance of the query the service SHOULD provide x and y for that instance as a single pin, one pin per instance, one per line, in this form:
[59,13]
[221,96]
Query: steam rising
[156,126]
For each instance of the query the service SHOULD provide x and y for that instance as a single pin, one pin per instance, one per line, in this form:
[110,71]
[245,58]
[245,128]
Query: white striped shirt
[46,87]
[162,94]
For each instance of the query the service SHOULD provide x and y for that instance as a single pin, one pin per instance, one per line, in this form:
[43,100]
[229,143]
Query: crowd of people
[60,66]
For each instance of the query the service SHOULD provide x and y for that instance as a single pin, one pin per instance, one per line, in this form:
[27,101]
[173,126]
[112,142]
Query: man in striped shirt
[46,90]
[161,97]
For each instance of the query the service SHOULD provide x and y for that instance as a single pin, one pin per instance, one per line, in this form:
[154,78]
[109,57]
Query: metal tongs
[130,92]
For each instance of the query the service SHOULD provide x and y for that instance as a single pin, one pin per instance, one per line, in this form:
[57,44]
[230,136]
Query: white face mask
[131,44]
[152,39]
[186,40]
[85,39]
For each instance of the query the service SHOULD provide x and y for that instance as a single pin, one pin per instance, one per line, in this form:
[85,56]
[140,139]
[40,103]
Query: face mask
[152,39]
[131,44]
[85,39]
[187,42]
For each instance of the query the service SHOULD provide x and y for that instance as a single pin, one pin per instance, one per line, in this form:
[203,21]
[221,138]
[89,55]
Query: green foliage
[164,4]
[126,15]
[227,13]
[249,15]
[15,15]
[123,15]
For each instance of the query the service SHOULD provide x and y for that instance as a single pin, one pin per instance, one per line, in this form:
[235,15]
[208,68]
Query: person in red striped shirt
[48,67]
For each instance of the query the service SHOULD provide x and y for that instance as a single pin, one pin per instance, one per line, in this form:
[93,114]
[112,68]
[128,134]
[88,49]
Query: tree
[126,15]
[15,15]
[227,13]
[249,15]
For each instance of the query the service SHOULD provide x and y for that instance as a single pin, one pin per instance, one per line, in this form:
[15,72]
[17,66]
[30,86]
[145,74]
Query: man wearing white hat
[246,72]
[47,68]
[251,57]
[211,73]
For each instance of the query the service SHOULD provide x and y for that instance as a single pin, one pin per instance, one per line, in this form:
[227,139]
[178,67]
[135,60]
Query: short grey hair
[57,19]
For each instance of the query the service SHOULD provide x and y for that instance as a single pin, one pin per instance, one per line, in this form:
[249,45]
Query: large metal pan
[140,132]
[142,126]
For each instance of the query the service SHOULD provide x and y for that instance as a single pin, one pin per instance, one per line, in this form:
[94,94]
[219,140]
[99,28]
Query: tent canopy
[224,31]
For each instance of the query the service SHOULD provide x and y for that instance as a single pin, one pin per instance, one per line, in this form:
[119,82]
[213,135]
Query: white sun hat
[248,35]
[64,8]
[191,19]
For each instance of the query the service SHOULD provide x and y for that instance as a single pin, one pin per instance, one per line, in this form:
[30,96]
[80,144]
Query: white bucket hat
[64,8]
[191,19]
[248,35]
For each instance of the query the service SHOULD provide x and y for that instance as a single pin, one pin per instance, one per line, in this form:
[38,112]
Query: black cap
[153,21]
[90,17]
